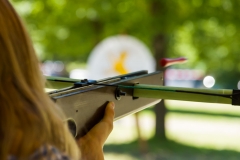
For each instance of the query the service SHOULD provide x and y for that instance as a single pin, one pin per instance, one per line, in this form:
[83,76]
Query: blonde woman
[31,125]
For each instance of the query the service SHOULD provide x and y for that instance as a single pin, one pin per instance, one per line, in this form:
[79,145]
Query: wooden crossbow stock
[84,101]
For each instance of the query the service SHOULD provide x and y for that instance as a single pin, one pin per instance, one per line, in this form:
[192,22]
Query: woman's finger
[109,115]
[99,133]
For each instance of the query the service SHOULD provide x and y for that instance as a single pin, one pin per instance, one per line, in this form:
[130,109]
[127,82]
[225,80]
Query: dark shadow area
[170,150]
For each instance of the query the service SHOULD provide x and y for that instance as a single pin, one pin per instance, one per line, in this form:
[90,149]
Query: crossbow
[84,101]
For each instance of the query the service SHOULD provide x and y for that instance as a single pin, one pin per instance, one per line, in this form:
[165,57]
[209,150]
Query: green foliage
[204,31]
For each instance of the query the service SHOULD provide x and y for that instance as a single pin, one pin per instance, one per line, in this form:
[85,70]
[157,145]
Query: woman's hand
[91,145]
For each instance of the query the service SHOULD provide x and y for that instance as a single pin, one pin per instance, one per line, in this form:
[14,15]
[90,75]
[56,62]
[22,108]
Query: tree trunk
[160,109]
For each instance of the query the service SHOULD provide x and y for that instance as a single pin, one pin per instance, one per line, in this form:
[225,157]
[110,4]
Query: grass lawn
[190,136]
[165,150]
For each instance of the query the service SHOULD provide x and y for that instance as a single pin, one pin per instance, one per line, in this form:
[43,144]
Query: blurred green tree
[204,31]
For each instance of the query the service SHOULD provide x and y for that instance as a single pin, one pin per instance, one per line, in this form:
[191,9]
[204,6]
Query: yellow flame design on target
[119,64]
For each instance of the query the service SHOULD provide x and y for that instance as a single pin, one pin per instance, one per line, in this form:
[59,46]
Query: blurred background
[81,39]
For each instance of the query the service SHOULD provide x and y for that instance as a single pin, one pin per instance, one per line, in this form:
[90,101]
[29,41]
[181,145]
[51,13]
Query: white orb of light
[238,85]
[208,81]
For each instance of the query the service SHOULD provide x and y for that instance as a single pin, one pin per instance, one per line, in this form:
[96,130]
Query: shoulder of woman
[45,152]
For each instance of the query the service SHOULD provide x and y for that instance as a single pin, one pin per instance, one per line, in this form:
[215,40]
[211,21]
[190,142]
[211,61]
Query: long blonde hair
[28,117]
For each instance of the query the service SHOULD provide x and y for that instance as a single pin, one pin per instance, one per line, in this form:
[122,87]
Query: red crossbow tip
[165,62]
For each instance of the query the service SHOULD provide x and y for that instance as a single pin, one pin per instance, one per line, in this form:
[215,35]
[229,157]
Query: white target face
[119,55]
